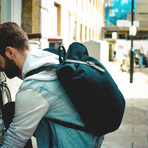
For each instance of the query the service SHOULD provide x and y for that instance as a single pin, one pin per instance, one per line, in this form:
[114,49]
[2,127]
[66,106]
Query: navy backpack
[90,88]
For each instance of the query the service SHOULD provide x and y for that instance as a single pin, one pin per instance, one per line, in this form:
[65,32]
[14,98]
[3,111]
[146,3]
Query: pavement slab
[133,131]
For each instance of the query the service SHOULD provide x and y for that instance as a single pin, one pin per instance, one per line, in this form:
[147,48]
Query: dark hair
[11,34]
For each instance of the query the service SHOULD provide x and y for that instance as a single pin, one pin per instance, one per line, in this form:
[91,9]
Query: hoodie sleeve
[30,107]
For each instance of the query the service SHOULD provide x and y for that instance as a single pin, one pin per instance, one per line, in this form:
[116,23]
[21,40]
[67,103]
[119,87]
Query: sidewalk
[133,132]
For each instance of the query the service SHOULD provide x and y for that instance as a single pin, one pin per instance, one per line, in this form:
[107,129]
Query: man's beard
[11,70]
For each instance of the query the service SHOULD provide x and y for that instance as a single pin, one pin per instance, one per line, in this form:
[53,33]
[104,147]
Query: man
[141,56]
[40,95]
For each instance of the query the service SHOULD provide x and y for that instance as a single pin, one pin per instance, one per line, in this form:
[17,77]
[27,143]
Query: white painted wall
[70,12]
[14,85]
[124,46]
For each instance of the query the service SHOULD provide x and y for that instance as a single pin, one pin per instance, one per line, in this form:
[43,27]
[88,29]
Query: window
[85,33]
[11,11]
[74,31]
[58,20]
[89,33]
[80,32]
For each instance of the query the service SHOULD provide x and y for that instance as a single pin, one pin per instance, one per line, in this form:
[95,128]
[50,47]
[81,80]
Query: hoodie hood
[38,58]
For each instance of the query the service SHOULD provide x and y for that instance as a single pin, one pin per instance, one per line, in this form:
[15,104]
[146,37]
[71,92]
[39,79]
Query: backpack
[90,88]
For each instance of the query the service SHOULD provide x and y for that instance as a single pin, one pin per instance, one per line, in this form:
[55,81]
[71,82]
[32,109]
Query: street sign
[127,23]
[132,30]
[114,35]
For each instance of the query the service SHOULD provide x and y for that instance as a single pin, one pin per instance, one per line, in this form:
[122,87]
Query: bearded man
[40,96]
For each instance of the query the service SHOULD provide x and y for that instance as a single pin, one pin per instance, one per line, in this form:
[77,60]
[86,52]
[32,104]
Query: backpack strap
[61,50]
[40,69]
[63,123]
[67,124]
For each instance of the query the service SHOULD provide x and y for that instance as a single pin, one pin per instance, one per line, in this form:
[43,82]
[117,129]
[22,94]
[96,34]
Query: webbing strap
[50,134]
[40,69]
[68,124]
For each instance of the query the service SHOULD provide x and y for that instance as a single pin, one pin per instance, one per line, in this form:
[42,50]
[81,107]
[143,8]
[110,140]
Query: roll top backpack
[90,88]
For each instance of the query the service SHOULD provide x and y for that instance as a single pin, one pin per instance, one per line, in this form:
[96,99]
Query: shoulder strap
[61,50]
[50,134]
[68,124]
[63,123]
[40,69]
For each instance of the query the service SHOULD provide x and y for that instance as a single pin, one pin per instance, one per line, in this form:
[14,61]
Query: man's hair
[11,34]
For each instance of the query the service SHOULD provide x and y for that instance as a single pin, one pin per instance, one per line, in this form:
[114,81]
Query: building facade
[70,20]
[121,27]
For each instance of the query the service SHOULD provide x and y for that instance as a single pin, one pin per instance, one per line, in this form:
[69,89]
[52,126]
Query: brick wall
[31,16]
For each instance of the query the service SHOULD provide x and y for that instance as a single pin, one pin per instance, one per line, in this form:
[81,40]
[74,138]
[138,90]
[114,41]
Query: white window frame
[11,11]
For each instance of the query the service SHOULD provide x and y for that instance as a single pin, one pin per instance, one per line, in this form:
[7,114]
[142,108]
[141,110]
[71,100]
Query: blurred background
[63,22]
[114,31]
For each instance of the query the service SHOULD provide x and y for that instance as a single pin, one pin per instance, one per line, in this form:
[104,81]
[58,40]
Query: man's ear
[10,52]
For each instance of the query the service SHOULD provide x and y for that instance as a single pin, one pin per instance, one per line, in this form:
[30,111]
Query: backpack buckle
[92,64]
[89,63]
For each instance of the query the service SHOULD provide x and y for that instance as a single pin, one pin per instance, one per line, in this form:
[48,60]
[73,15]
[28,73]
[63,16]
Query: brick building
[70,20]
[25,12]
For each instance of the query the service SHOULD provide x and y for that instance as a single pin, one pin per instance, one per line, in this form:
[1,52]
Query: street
[133,132]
